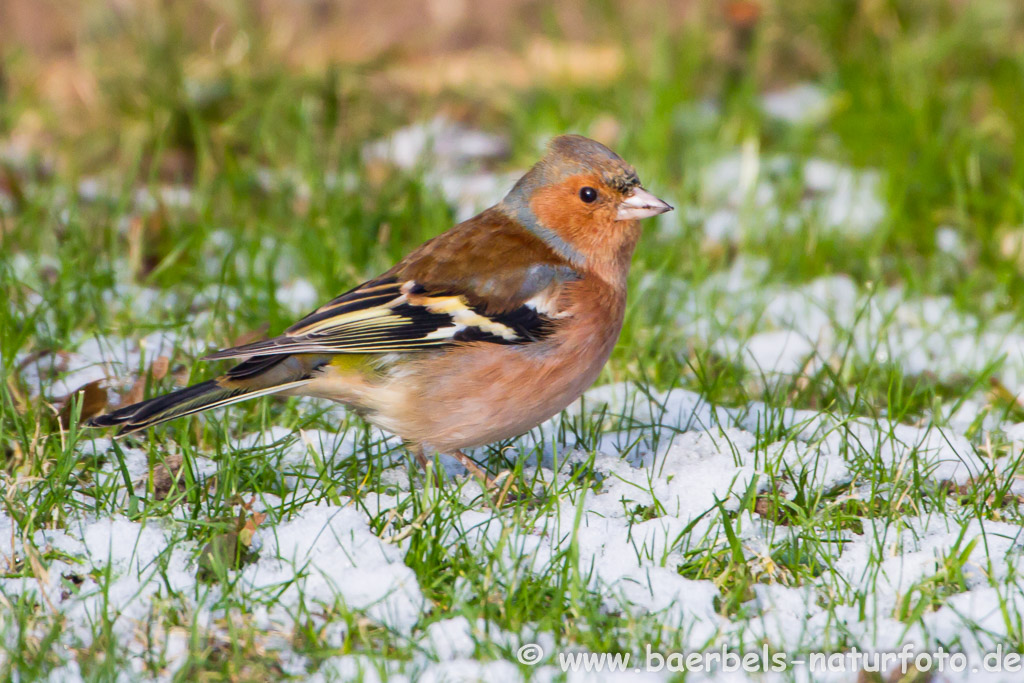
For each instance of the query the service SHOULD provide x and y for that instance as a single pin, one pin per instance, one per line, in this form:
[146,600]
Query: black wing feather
[386,315]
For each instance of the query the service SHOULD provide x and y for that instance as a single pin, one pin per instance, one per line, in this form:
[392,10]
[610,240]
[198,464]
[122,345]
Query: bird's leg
[417,452]
[485,480]
[493,486]
[474,469]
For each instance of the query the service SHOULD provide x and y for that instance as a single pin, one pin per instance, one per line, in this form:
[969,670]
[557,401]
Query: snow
[723,226]
[170,196]
[450,156]
[473,192]
[115,360]
[776,330]
[330,556]
[800,104]
[742,178]
[779,351]
[299,296]
[141,560]
[948,240]
[847,200]
[449,639]
[741,191]
[439,141]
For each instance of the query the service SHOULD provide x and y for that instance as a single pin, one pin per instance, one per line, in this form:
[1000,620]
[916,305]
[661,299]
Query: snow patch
[803,103]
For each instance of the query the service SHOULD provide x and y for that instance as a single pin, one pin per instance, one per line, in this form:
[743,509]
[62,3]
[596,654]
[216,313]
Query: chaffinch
[479,335]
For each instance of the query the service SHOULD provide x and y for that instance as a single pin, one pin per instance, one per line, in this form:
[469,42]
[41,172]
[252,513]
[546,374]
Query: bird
[478,335]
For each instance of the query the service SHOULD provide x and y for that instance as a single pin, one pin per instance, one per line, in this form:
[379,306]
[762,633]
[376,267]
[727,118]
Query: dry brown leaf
[248,530]
[159,367]
[94,400]
[31,358]
[11,185]
[69,85]
[134,394]
[251,336]
[20,403]
[48,363]
[158,370]
[166,477]
[146,246]
[1000,392]
[763,506]
[180,375]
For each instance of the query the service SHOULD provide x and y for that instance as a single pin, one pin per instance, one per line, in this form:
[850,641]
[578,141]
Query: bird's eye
[588,194]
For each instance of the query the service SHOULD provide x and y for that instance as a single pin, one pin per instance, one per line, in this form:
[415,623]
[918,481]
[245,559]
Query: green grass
[925,94]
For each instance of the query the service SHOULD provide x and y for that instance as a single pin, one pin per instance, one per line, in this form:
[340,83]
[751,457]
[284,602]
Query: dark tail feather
[187,401]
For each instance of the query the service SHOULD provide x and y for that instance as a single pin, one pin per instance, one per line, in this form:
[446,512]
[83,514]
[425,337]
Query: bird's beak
[640,204]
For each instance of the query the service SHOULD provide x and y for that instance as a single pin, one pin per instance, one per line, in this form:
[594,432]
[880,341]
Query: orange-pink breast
[483,392]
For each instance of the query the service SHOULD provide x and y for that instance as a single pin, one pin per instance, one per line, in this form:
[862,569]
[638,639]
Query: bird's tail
[214,393]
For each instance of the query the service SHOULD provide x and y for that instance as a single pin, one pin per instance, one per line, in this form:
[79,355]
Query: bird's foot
[498,486]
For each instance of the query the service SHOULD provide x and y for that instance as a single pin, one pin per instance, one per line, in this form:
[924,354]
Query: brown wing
[484,280]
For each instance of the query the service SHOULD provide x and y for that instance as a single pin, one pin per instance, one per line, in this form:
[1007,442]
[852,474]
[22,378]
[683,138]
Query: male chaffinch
[479,335]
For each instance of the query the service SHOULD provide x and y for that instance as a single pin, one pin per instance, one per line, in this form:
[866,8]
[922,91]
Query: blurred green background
[928,90]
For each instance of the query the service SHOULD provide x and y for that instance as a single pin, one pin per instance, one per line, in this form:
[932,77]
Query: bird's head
[583,200]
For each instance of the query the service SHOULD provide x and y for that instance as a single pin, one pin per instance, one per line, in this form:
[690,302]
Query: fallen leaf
[231,549]
[223,552]
[11,185]
[134,394]
[180,375]
[31,358]
[249,529]
[147,242]
[251,336]
[166,477]
[20,403]
[159,367]
[158,370]
[94,400]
